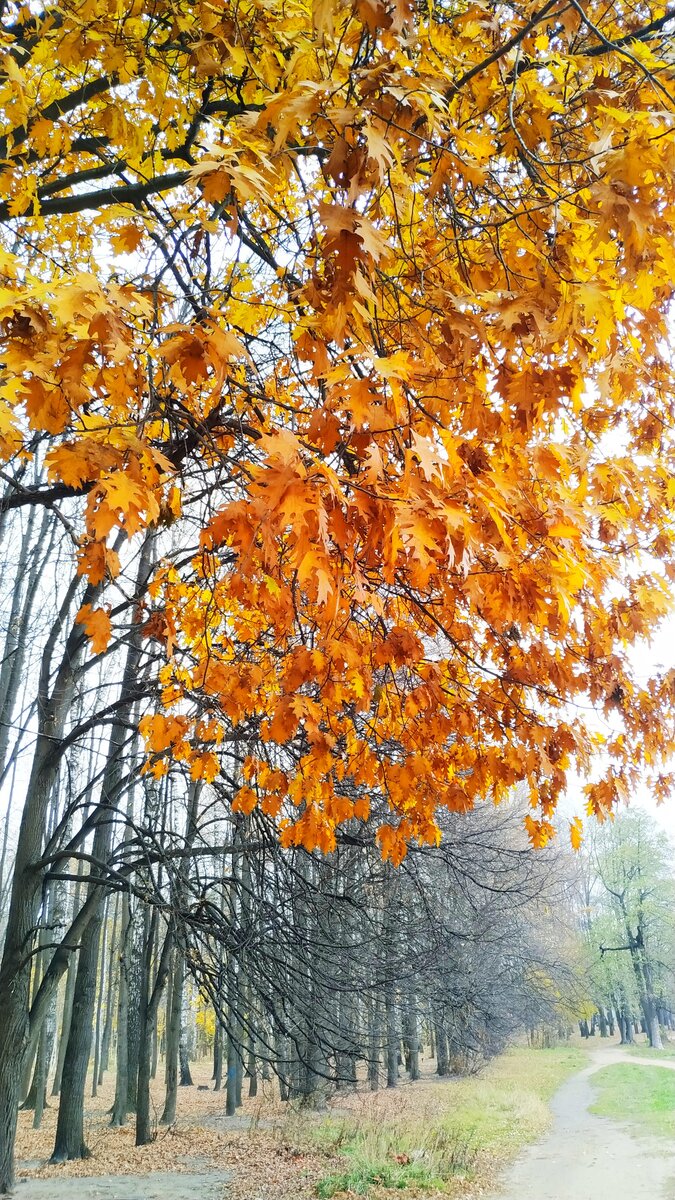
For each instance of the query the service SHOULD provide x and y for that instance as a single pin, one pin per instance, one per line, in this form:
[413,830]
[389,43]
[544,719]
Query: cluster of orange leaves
[435,411]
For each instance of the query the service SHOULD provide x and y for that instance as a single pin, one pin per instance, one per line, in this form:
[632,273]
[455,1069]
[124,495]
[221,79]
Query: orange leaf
[576,832]
[97,626]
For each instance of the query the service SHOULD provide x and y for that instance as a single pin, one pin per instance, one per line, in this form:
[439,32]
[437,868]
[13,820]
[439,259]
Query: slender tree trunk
[17,638]
[412,1037]
[231,1047]
[69,1141]
[103,986]
[110,997]
[134,984]
[375,1041]
[155,1051]
[281,1064]
[217,1056]
[65,1024]
[150,1001]
[252,1073]
[442,1055]
[143,1130]
[26,884]
[45,1051]
[392,1036]
[175,998]
[173,1038]
[184,1060]
[120,1109]
[185,1078]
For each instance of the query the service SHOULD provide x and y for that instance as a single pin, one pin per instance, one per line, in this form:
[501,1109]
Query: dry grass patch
[444,1137]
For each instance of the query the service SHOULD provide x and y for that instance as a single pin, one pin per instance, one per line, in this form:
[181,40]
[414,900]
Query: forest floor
[451,1138]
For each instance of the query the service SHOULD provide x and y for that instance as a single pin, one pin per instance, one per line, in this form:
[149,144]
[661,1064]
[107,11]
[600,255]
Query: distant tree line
[626,898]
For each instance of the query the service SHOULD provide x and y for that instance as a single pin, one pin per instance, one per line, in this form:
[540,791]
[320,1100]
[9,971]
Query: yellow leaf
[563,529]
[576,832]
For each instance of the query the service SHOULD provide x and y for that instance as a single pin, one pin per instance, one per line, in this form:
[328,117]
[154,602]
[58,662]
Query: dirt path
[586,1157]
[162,1185]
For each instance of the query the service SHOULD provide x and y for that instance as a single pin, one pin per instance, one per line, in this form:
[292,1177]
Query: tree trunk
[69,1141]
[24,902]
[183,1056]
[173,1038]
[251,1069]
[442,1049]
[375,1042]
[231,1089]
[120,1109]
[103,986]
[40,1079]
[175,997]
[392,1036]
[150,1000]
[65,1024]
[412,1037]
[134,985]
[217,1056]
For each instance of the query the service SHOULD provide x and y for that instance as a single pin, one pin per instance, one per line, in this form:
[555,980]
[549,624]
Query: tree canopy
[364,310]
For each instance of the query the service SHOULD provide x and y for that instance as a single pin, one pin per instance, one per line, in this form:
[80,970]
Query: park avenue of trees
[336,515]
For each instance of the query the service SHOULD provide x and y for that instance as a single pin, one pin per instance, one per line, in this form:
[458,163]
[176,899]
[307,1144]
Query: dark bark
[392,1036]
[44,1054]
[70,1141]
[231,1048]
[175,996]
[65,1024]
[184,1058]
[22,916]
[173,1038]
[134,985]
[412,1037]
[120,1105]
[442,1050]
[217,1057]
[375,1040]
[103,986]
[150,1001]
[251,1069]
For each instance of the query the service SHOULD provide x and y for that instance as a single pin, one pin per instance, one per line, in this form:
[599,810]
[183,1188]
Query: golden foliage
[430,387]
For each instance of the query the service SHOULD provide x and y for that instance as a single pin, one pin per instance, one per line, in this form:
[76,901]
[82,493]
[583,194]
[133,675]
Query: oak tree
[363,309]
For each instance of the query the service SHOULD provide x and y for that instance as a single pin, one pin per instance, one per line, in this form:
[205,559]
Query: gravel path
[586,1157]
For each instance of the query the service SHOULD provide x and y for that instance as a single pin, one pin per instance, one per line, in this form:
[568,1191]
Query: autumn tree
[363,310]
[628,921]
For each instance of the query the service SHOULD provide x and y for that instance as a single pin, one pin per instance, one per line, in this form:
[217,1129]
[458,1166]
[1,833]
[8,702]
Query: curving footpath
[586,1157]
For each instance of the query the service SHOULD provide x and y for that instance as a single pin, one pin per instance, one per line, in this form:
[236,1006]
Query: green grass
[643,1095]
[439,1131]
[363,1175]
[644,1050]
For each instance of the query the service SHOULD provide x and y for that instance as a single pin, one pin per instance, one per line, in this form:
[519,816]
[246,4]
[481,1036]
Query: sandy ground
[163,1185]
[586,1157]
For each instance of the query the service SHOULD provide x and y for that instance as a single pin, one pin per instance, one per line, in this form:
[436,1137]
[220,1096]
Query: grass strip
[437,1134]
[645,1096]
